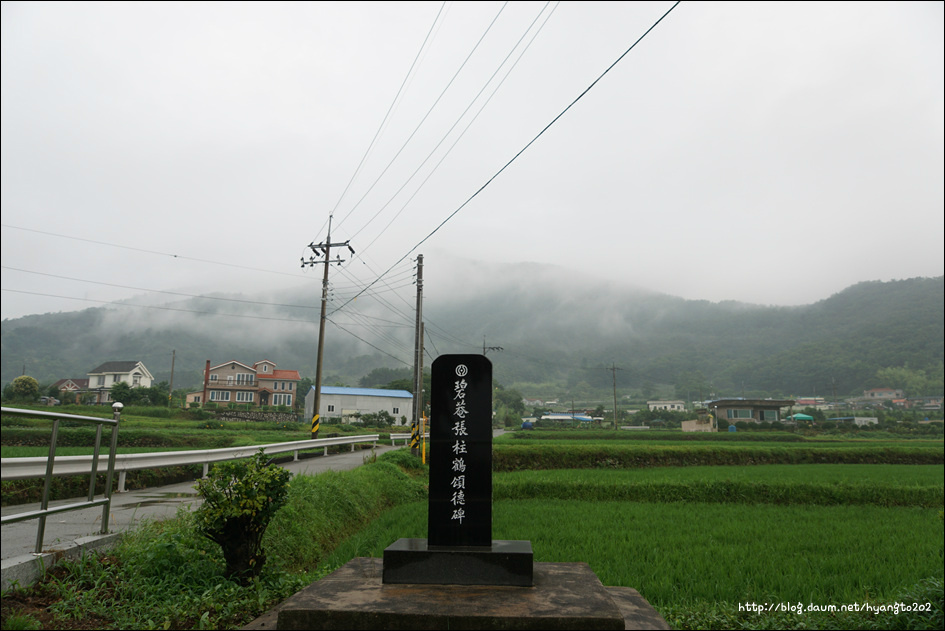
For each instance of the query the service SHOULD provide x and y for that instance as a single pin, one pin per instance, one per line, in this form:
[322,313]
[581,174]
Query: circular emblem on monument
[461,370]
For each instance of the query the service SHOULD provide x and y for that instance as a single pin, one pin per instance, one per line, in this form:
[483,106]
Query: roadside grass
[695,561]
[165,575]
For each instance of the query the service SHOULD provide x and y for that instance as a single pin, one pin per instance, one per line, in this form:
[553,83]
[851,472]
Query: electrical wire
[176,256]
[425,116]
[159,291]
[124,304]
[485,85]
[522,150]
[386,116]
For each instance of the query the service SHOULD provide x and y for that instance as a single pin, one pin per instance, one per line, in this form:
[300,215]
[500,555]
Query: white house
[102,378]
[339,403]
[671,406]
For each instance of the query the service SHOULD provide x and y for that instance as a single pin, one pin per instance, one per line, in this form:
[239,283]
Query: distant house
[882,394]
[671,406]
[342,403]
[756,410]
[256,385]
[102,378]
[72,385]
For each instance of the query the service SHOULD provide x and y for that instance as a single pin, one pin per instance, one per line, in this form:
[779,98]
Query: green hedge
[623,456]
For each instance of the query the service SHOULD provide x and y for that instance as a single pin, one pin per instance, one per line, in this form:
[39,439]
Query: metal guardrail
[48,467]
[24,468]
[404,437]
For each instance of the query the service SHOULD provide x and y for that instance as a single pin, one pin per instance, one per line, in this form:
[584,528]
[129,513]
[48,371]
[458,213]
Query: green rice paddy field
[698,540]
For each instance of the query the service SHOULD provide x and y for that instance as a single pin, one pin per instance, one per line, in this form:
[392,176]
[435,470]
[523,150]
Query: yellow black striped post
[315,426]
[414,438]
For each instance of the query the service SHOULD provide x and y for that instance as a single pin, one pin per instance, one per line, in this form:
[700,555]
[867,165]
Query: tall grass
[322,510]
[165,575]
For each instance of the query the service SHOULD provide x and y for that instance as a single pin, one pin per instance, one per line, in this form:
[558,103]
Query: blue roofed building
[344,403]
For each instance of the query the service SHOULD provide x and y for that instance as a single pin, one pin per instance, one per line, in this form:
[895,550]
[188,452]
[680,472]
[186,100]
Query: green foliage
[913,383]
[240,499]
[17,622]
[322,510]
[161,575]
[379,377]
[121,392]
[25,388]
[169,575]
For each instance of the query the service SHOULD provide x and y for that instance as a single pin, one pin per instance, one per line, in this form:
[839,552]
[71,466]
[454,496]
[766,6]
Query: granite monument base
[414,561]
[564,596]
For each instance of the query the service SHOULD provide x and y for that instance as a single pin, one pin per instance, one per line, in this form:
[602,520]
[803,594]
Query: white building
[102,378]
[341,403]
[671,406]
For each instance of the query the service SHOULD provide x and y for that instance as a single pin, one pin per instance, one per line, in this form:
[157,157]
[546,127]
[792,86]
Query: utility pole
[614,370]
[322,249]
[418,363]
[170,390]
[485,348]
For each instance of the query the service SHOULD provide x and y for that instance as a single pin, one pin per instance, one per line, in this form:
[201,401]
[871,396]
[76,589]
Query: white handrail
[24,468]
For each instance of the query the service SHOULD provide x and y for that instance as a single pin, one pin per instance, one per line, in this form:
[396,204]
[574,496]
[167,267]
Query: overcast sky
[766,152]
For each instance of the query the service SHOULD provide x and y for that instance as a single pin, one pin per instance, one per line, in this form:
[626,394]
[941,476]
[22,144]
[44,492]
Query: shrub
[240,499]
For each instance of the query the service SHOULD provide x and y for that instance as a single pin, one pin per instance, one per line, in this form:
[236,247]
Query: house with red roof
[261,383]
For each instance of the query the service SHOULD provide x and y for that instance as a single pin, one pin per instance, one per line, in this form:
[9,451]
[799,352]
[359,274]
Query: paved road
[68,530]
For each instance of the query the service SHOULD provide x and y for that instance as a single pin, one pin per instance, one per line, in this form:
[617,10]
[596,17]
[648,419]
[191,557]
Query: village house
[102,378]
[257,385]
[670,406]
[753,410]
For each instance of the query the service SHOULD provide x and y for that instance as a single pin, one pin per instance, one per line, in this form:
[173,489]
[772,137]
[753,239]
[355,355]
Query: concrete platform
[413,561]
[564,596]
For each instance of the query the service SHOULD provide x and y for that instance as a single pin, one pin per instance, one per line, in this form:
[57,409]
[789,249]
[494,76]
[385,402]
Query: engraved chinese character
[461,410]
[460,389]
[459,497]
[459,447]
[459,464]
[459,428]
[459,514]
[459,482]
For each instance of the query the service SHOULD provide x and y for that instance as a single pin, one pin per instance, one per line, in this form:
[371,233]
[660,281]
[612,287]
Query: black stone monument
[459,548]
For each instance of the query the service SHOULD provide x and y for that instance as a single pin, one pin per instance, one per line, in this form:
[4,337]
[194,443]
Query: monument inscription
[460,505]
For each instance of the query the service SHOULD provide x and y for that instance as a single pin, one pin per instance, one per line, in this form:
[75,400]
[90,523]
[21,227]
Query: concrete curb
[25,570]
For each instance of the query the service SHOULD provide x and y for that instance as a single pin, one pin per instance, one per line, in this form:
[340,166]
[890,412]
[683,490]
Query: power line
[521,151]
[450,130]
[425,116]
[124,304]
[176,256]
[366,342]
[386,116]
[158,291]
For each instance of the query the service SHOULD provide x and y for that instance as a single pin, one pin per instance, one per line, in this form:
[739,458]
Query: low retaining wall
[259,417]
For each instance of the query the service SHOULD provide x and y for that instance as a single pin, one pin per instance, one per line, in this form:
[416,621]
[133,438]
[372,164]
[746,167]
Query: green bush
[240,499]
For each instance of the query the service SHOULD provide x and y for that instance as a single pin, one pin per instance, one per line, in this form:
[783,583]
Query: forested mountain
[567,333]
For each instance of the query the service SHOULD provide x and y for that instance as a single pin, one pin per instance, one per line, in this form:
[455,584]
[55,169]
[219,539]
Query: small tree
[122,393]
[25,388]
[240,499]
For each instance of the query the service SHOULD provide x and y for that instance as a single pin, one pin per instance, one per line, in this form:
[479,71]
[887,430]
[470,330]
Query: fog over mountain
[556,328]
